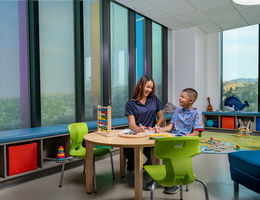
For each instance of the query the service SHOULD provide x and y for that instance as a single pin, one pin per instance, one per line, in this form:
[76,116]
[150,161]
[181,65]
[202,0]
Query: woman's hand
[141,128]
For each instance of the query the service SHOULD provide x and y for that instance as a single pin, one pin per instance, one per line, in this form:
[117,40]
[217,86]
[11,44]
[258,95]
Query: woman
[142,110]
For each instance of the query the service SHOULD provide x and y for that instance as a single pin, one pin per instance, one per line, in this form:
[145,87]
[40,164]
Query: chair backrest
[177,153]
[77,132]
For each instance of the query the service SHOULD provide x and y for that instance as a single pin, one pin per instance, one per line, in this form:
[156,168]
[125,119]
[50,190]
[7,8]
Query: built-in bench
[48,131]
[48,140]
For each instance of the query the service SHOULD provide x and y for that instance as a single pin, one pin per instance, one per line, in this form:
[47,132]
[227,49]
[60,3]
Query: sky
[9,50]
[240,53]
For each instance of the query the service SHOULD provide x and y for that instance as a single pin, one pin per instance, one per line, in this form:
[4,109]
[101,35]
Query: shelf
[47,149]
[233,117]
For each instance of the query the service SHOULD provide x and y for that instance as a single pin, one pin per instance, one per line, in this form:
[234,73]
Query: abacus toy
[104,120]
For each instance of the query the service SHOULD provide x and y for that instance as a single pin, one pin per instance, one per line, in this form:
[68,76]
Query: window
[139,46]
[13,61]
[56,62]
[157,58]
[119,59]
[92,58]
[240,66]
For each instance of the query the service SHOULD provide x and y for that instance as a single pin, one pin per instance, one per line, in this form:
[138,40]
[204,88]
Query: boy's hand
[157,129]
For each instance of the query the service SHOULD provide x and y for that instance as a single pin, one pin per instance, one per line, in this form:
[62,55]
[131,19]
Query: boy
[186,121]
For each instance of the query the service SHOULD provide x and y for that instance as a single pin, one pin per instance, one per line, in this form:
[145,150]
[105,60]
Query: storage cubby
[212,121]
[229,121]
[51,145]
[2,161]
[46,151]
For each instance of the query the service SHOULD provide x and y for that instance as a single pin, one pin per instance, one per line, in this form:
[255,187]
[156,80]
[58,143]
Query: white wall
[200,68]
[184,61]
[193,62]
[213,70]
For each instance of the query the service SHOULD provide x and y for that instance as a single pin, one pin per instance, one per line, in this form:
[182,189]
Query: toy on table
[132,134]
[60,155]
[235,103]
[159,135]
[104,120]
[245,131]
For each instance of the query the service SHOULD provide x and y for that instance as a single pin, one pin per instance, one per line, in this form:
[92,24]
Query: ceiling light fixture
[247,2]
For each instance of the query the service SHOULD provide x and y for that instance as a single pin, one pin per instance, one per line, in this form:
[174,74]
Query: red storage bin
[22,158]
[228,122]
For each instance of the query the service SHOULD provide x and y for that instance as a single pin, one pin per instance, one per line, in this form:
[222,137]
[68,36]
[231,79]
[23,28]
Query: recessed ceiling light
[247,2]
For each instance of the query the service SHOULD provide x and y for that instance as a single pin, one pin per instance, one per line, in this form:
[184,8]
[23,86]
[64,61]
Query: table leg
[89,167]
[122,162]
[138,152]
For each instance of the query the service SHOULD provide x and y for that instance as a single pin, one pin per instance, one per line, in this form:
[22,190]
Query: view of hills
[244,80]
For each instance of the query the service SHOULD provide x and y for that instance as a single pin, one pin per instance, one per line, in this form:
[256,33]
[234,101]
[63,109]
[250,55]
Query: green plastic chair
[77,132]
[176,153]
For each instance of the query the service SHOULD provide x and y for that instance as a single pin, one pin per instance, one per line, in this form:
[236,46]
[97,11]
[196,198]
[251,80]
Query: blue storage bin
[258,124]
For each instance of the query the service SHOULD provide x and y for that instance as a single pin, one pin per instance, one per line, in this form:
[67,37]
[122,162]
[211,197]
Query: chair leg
[205,188]
[94,174]
[62,172]
[152,190]
[84,168]
[187,188]
[181,193]
[112,164]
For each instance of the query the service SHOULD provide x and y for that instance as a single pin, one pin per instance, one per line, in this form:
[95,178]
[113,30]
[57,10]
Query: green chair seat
[157,172]
[79,153]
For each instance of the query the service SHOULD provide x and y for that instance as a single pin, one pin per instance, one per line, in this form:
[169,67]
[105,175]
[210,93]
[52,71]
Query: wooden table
[116,141]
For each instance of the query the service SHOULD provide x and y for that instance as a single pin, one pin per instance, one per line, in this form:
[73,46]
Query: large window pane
[157,58]
[119,59]
[13,62]
[240,65]
[57,62]
[92,58]
[139,46]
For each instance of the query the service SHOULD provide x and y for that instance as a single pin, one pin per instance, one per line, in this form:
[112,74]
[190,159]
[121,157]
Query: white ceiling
[208,15]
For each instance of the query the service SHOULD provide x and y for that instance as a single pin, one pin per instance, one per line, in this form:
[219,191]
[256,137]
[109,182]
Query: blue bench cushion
[40,132]
[119,122]
[246,161]
[31,133]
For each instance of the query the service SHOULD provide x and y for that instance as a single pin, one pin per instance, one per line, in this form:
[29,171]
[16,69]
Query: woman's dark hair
[139,89]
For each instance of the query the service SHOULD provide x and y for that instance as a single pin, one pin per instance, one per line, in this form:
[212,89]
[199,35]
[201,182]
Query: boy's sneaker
[148,186]
[171,190]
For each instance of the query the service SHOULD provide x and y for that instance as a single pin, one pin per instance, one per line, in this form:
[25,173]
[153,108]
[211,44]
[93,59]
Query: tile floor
[212,168]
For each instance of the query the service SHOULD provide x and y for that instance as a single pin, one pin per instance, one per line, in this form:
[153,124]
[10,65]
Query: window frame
[221,67]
